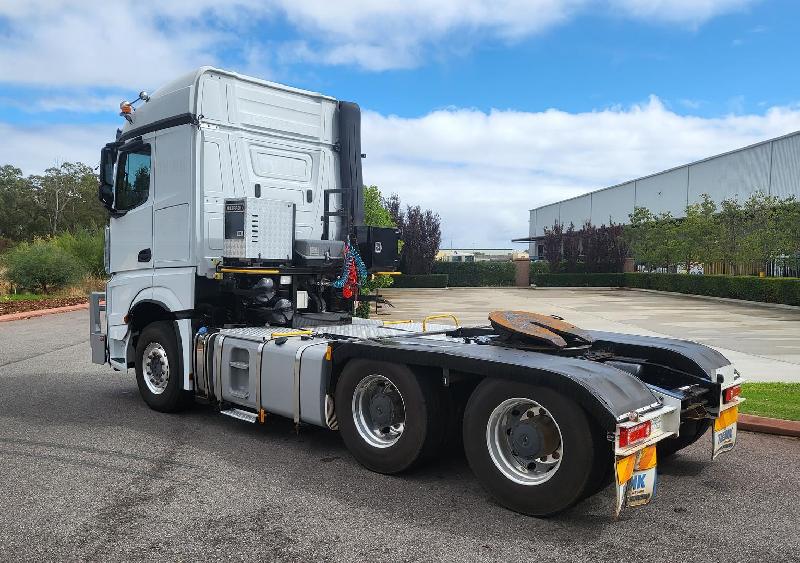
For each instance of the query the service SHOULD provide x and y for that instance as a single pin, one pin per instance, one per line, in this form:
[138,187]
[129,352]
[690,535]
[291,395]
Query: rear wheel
[158,368]
[690,432]
[529,446]
[389,417]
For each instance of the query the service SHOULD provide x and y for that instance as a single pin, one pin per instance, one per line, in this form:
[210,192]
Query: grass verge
[21,297]
[775,400]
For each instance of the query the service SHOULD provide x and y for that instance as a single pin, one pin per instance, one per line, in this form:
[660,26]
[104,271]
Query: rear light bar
[630,434]
[731,393]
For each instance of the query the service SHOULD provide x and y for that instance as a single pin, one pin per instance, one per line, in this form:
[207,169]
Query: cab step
[247,416]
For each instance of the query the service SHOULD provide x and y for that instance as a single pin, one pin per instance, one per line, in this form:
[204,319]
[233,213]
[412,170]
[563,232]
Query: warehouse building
[772,167]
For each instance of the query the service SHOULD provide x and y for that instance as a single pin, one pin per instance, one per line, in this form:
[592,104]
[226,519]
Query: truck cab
[190,159]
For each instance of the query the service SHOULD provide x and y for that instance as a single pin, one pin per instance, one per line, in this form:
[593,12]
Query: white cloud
[692,12]
[483,171]
[35,148]
[94,42]
[143,44]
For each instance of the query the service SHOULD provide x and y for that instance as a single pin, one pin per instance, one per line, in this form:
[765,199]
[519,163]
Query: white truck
[236,249]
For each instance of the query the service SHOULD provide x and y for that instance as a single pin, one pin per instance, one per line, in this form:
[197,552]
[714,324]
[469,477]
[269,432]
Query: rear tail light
[631,434]
[731,393]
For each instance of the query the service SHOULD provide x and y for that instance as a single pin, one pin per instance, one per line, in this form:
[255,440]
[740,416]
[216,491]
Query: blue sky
[500,105]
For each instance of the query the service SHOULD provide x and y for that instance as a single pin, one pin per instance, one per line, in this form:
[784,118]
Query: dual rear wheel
[533,449]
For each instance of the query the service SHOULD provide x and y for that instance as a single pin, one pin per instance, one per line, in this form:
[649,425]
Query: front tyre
[389,417]
[530,447]
[158,368]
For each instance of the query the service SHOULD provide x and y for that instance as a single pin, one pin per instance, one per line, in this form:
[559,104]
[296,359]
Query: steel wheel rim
[378,411]
[155,368]
[508,430]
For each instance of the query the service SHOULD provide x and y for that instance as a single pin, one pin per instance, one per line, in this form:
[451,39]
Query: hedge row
[476,274]
[431,280]
[579,280]
[749,288]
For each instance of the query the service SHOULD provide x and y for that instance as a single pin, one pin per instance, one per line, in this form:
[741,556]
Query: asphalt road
[89,472]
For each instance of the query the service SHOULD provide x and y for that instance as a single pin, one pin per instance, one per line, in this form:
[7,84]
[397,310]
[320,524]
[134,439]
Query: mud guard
[608,394]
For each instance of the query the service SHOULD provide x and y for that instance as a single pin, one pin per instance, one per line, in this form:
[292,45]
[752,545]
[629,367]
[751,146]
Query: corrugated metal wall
[772,167]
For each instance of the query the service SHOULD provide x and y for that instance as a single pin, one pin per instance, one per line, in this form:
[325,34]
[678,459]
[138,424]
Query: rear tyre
[158,368]
[389,417]
[529,446]
[603,468]
[690,432]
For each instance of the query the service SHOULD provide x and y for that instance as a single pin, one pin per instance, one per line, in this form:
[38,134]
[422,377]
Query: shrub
[476,274]
[41,266]
[747,288]
[421,280]
[539,267]
[86,247]
[578,280]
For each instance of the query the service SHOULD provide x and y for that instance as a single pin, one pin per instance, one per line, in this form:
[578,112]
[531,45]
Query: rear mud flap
[723,439]
[636,479]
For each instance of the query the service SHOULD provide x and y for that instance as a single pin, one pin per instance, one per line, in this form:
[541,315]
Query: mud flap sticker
[636,478]
[724,435]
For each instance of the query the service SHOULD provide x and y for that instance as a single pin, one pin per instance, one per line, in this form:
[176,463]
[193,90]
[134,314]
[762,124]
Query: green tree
[376,214]
[765,237]
[20,218]
[697,234]
[67,197]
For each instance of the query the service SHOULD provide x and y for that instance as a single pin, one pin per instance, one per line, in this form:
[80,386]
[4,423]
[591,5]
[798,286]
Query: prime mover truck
[236,249]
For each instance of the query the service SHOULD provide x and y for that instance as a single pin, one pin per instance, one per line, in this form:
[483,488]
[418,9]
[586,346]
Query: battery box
[258,229]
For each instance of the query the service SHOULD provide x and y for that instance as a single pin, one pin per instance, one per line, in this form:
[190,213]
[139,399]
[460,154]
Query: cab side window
[133,179]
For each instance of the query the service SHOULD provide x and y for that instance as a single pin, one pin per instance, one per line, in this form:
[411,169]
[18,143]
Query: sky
[477,109]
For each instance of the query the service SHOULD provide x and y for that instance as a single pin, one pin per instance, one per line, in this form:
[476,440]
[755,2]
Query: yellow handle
[385,323]
[443,316]
[254,271]
[292,333]
[388,273]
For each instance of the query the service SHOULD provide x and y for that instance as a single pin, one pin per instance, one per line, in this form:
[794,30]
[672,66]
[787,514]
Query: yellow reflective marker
[328,353]
[647,458]
[625,469]
[726,418]
[252,271]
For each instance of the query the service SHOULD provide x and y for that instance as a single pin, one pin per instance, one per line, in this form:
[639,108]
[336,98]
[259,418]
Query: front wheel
[529,446]
[158,368]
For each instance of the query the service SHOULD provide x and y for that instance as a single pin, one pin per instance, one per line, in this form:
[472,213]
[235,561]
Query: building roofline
[727,153]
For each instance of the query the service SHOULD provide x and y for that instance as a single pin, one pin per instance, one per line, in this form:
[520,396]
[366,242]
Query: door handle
[145,255]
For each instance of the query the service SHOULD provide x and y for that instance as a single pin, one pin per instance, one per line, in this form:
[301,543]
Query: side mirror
[105,193]
[108,156]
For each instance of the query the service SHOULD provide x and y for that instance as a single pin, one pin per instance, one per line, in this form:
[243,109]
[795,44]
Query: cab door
[131,227]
